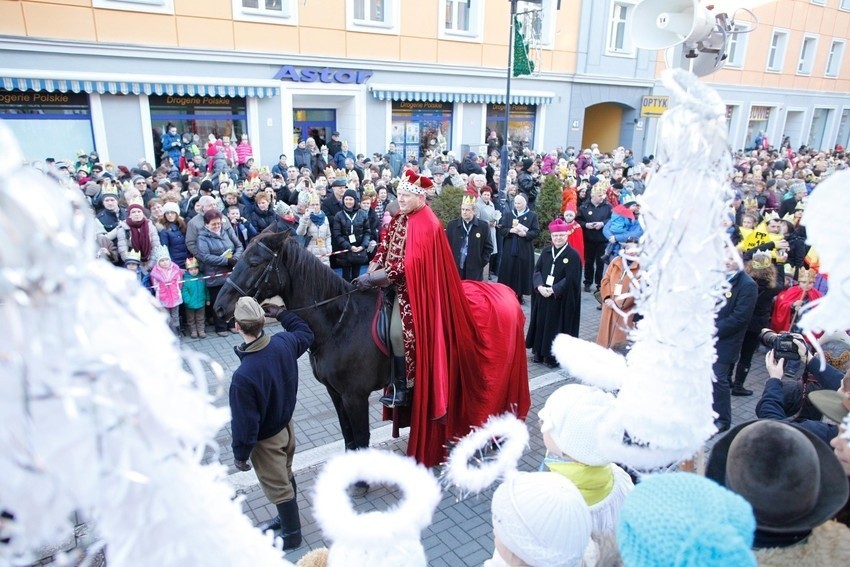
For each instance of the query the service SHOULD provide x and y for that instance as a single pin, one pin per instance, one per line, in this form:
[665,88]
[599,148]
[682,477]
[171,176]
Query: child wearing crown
[196,297]
[789,304]
[166,279]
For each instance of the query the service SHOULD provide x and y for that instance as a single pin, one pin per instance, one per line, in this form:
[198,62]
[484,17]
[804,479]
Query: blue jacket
[195,292]
[176,242]
[621,228]
[734,317]
[211,246]
[394,160]
[341,156]
[770,406]
[263,389]
[172,146]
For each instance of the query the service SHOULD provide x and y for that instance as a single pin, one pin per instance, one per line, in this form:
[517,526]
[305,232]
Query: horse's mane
[309,270]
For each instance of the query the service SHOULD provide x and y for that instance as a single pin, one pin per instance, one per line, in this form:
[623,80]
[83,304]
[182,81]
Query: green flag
[522,65]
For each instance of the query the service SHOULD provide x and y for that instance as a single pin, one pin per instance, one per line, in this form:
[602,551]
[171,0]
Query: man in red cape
[463,344]
[787,306]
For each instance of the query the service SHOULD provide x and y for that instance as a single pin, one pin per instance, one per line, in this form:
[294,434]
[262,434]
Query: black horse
[343,356]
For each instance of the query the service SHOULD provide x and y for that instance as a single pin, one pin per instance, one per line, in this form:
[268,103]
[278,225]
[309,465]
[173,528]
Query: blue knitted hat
[685,520]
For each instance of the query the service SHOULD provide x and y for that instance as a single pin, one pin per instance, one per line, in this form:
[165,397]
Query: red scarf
[140,238]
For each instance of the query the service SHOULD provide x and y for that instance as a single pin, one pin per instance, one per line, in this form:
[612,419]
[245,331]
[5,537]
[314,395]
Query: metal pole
[503,174]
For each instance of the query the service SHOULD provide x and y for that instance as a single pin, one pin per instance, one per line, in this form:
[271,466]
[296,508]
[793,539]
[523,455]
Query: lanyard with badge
[550,279]
[351,238]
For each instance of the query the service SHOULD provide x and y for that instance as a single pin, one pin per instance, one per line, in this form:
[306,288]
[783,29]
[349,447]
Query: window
[776,53]
[819,2]
[378,15]
[834,60]
[540,19]
[151,6]
[461,19]
[736,49]
[277,11]
[619,43]
[844,5]
[807,55]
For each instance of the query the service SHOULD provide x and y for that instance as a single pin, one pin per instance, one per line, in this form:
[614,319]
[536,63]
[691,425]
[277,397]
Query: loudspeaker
[704,63]
[659,24]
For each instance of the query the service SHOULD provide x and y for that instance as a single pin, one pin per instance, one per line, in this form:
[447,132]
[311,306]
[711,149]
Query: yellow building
[424,74]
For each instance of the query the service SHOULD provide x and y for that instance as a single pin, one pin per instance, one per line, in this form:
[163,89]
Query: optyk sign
[322,75]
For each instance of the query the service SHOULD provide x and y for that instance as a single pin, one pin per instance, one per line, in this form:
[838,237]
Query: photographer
[787,400]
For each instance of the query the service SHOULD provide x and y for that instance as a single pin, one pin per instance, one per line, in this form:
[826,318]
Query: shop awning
[117,87]
[481,96]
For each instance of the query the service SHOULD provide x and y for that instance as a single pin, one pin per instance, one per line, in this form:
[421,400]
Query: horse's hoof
[358,489]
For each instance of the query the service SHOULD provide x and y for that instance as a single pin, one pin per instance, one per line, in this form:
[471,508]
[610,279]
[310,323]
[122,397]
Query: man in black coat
[332,203]
[731,325]
[469,238]
[262,400]
[526,183]
[592,216]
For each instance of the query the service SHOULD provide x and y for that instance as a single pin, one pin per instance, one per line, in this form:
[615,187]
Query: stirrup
[398,398]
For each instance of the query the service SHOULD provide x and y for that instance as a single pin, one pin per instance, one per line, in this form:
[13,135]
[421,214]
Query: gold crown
[340,172]
[808,275]
[109,191]
[133,256]
[191,263]
[468,200]
[761,260]
[772,215]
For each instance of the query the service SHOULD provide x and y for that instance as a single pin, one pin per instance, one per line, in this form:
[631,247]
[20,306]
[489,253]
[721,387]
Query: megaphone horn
[659,24]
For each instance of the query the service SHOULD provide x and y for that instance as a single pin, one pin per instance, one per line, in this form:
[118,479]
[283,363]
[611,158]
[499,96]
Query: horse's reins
[274,266]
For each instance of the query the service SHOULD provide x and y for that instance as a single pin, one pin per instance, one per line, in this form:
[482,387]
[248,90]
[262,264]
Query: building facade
[110,75]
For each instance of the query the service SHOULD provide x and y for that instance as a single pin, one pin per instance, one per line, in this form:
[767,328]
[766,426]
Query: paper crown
[761,260]
[223,178]
[468,200]
[109,192]
[412,182]
[807,275]
[191,263]
[340,173]
[750,203]
[772,215]
[601,187]
[160,252]
[133,256]
[330,171]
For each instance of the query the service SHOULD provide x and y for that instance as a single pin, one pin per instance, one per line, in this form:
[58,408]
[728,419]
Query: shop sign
[416,105]
[526,108]
[322,75]
[38,97]
[653,106]
[760,113]
[197,100]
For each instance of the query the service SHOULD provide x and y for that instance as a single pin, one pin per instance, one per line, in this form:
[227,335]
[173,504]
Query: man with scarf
[469,238]
[556,300]
[518,230]
[138,233]
[443,333]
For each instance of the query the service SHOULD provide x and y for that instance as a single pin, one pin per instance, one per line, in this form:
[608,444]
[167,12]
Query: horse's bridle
[264,277]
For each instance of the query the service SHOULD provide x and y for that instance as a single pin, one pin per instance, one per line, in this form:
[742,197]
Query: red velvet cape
[470,352]
[780,319]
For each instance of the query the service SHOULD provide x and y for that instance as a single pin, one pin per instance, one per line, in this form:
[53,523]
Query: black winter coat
[733,319]
[351,230]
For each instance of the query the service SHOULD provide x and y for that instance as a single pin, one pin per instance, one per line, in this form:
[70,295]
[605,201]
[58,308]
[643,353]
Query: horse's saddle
[381,320]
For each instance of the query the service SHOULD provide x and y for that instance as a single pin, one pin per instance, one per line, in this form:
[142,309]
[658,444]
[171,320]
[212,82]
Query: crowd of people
[181,227]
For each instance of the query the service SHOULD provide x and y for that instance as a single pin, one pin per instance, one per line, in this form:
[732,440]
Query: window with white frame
[150,6]
[835,57]
[776,52]
[844,5]
[378,15]
[541,17]
[819,2]
[807,55]
[619,42]
[736,48]
[461,19]
[277,11]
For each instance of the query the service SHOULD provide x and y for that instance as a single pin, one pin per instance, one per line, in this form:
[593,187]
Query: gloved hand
[364,281]
[231,262]
[273,310]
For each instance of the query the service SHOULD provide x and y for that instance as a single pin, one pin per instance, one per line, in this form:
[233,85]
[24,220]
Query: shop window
[461,19]
[153,6]
[736,49]
[619,43]
[48,124]
[807,55]
[521,127]
[420,127]
[380,16]
[198,115]
[275,11]
[834,60]
[776,52]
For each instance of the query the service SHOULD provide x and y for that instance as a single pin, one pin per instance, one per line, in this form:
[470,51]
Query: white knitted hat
[572,416]
[541,518]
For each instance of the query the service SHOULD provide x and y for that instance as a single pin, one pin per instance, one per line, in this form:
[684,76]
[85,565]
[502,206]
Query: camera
[782,344]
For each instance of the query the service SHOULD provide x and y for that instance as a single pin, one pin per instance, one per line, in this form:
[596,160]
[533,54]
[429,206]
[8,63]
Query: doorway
[316,123]
[602,126]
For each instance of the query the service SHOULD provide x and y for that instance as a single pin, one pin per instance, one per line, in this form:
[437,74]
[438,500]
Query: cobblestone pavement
[461,532]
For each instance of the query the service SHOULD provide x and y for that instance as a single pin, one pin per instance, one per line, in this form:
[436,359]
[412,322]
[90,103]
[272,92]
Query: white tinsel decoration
[471,474]
[378,538]
[99,416]
[665,401]
[828,231]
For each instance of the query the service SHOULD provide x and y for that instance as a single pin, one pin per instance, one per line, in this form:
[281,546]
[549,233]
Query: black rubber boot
[400,392]
[738,386]
[290,524]
[274,523]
